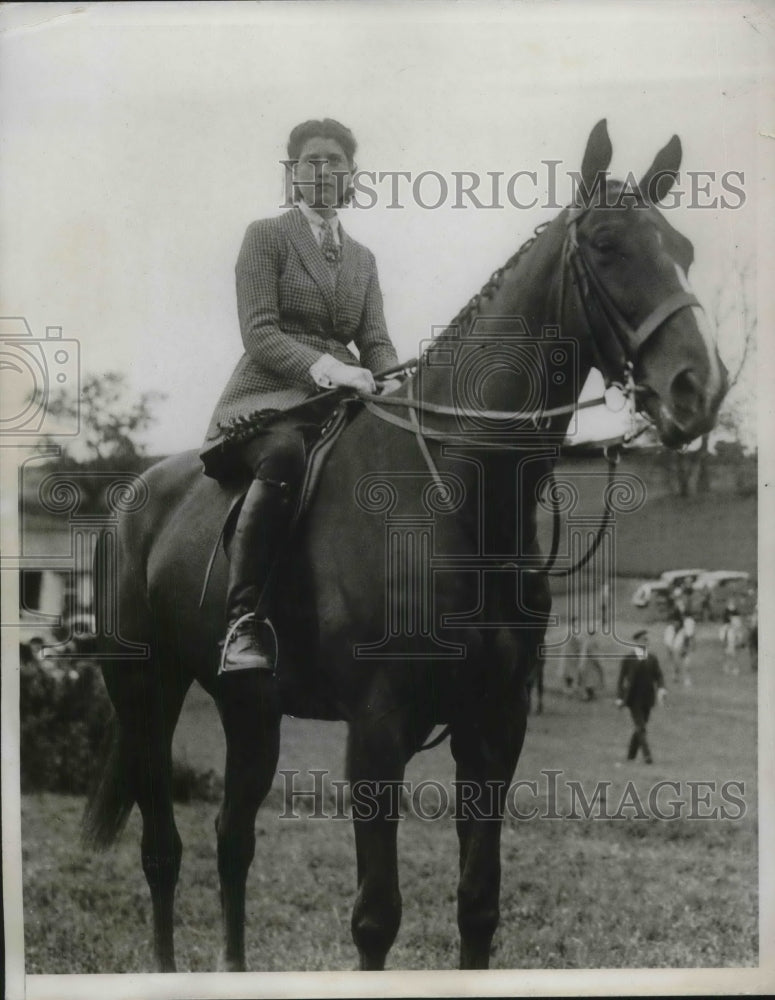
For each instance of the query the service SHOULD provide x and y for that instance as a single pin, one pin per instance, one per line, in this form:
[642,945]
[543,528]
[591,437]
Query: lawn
[577,893]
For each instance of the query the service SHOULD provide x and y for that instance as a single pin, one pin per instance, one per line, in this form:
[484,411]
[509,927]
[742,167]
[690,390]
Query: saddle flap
[329,414]
[319,450]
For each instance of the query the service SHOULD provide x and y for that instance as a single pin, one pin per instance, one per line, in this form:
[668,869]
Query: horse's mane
[471,309]
[611,189]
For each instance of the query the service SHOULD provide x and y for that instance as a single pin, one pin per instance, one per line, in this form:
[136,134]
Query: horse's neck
[528,327]
[510,354]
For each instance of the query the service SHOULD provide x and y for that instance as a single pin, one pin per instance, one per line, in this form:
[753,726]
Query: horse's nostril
[687,392]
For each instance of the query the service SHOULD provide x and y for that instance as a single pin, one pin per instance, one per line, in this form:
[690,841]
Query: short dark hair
[325,128]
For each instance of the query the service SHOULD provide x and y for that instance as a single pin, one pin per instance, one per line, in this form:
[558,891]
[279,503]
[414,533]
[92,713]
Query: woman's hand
[329,372]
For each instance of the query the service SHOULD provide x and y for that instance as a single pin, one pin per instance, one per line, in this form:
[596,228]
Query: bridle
[615,344]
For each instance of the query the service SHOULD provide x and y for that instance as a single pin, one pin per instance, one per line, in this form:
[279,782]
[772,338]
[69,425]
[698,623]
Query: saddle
[329,417]
[324,418]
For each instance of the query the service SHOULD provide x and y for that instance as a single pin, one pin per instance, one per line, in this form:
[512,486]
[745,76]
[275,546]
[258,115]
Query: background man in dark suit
[640,684]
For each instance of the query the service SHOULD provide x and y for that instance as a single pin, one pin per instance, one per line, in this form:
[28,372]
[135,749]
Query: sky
[139,140]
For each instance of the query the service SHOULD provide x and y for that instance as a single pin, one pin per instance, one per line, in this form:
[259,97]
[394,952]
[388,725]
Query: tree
[112,423]
[733,316]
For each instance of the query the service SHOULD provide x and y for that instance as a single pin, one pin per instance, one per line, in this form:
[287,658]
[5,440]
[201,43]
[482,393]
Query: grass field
[577,893]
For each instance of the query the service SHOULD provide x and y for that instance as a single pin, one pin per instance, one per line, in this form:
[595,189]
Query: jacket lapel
[347,268]
[312,257]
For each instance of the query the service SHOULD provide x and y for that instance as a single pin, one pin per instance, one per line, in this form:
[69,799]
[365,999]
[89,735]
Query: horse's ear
[597,157]
[662,173]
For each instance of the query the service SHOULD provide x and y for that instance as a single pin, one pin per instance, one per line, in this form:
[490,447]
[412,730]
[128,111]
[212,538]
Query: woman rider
[305,290]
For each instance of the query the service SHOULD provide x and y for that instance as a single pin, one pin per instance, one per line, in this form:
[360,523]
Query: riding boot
[262,528]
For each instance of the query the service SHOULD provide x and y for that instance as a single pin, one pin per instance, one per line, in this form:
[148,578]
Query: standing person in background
[590,679]
[753,639]
[732,637]
[641,684]
[571,659]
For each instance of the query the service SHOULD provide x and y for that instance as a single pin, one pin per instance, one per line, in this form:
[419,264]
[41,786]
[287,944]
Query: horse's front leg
[486,746]
[376,759]
[249,708]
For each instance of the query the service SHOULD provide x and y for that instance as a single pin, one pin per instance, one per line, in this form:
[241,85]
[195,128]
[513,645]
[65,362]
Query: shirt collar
[316,220]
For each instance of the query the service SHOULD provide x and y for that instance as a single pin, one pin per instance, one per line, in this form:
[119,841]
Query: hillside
[717,531]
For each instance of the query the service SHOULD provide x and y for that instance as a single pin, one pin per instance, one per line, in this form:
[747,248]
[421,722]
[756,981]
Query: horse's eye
[603,244]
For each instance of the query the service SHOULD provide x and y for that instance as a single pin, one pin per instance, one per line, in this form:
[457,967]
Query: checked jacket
[294,307]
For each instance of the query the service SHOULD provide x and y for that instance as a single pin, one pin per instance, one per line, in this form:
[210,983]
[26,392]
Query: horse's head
[631,268]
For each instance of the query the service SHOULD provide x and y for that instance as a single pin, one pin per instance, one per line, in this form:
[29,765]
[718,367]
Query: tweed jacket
[294,307]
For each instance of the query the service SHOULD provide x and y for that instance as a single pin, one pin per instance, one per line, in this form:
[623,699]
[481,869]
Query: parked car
[713,591]
[656,592]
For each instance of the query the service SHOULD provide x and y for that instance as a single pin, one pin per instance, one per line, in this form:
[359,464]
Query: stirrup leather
[249,616]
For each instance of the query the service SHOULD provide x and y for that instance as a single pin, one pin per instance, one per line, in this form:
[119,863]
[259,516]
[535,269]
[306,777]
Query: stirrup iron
[249,616]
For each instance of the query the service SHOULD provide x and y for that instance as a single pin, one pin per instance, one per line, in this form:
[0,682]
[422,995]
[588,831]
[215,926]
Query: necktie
[328,246]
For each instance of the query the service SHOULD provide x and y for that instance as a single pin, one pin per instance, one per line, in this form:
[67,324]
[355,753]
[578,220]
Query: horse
[679,643]
[413,593]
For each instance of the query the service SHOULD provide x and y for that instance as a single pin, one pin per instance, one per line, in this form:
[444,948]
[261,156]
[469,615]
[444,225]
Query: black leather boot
[262,529]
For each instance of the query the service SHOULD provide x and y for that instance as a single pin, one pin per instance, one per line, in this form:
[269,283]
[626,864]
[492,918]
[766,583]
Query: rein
[594,298]
[612,454]
[601,313]
[623,341]
[440,409]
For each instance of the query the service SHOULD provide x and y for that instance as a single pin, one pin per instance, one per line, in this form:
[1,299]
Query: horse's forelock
[627,195]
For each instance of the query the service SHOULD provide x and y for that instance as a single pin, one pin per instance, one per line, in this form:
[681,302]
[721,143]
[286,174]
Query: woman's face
[322,174]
